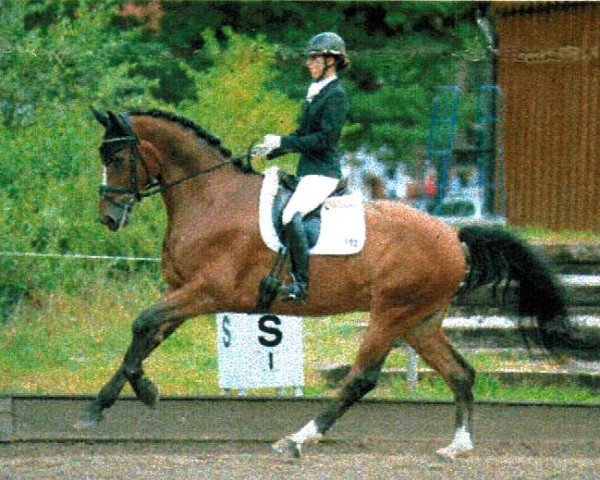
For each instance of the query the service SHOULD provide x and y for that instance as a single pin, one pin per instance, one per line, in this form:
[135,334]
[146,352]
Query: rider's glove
[266,145]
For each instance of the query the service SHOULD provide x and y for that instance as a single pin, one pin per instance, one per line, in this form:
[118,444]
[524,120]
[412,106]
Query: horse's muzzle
[114,214]
[112,223]
[115,218]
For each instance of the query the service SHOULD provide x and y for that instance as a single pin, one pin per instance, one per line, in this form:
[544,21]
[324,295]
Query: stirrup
[293,292]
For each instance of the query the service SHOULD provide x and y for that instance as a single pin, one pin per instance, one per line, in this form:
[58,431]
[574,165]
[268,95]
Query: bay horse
[213,258]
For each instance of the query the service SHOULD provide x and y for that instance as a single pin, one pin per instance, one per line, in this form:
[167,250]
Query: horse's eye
[117,159]
[117,162]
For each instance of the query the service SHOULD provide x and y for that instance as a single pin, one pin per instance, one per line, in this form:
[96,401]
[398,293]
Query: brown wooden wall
[549,70]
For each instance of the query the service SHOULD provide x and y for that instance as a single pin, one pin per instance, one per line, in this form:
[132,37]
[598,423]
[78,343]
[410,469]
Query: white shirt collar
[316,87]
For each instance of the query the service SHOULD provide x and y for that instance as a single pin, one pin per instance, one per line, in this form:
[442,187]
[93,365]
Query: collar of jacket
[316,87]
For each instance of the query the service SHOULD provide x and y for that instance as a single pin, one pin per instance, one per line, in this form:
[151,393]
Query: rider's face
[316,65]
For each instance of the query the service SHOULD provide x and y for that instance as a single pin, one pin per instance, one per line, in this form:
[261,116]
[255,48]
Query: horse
[410,269]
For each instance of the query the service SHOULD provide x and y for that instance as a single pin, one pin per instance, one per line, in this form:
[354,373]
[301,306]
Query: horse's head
[127,176]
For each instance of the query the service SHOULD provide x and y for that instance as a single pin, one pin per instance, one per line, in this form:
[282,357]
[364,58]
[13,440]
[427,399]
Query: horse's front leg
[150,329]
[105,399]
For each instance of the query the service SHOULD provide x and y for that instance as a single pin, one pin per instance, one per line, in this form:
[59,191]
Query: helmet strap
[325,67]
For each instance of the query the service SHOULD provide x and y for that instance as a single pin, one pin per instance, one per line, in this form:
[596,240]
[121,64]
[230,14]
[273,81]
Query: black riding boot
[297,243]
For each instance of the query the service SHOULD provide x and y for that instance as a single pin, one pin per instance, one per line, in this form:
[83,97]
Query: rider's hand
[267,145]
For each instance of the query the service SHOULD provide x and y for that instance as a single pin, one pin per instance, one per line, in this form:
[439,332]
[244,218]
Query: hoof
[287,446]
[83,423]
[450,454]
[90,418]
[147,392]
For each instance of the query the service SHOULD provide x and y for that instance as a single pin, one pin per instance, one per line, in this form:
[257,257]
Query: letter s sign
[275,334]
[226,332]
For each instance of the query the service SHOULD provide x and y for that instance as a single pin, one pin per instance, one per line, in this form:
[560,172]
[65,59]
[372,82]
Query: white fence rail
[79,256]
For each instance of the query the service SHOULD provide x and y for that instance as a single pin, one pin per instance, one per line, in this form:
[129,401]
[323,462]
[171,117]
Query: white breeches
[311,192]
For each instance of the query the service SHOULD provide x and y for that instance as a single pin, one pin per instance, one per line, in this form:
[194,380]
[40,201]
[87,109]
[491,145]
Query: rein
[115,144]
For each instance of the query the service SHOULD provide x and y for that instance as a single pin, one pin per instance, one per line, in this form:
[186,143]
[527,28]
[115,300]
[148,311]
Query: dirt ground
[230,439]
[253,460]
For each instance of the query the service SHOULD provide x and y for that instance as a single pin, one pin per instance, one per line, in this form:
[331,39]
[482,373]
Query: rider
[316,140]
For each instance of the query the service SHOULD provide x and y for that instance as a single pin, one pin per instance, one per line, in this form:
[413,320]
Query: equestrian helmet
[328,43]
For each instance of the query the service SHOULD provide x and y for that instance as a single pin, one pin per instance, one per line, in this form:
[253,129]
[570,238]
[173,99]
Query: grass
[543,235]
[71,342]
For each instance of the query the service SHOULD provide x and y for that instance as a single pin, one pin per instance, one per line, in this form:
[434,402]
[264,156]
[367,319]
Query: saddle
[337,227]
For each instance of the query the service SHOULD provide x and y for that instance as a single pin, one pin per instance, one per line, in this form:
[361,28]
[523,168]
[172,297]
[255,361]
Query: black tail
[496,256]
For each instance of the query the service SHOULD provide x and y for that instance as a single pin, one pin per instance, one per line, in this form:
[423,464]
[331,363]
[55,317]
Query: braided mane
[187,123]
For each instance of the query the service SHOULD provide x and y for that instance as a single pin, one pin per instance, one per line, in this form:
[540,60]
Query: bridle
[108,148]
[136,193]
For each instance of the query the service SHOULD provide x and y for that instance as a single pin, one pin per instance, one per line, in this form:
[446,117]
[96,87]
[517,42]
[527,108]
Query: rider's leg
[297,243]
[311,192]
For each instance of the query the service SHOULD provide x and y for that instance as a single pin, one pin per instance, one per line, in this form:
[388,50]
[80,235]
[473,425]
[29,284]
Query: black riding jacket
[317,137]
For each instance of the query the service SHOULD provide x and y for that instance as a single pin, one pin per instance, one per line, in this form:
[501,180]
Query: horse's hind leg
[430,343]
[361,379]
[150,329]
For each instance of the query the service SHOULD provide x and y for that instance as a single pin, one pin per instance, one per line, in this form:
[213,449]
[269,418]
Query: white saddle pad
[342,220]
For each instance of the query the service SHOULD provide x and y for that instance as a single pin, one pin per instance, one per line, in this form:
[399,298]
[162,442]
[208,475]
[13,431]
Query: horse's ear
[120,121]
[123,122]
[101,117]
[112,118]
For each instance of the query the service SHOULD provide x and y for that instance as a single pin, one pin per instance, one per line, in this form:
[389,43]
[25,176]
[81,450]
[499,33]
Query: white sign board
[258,351]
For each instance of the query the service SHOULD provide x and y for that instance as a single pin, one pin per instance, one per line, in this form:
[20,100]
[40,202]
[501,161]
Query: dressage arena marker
[260,351]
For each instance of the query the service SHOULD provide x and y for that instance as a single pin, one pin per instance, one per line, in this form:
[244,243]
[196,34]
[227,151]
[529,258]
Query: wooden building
[548,66]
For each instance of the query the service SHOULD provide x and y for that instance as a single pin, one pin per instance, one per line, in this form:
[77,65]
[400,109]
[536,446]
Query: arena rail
[50,418]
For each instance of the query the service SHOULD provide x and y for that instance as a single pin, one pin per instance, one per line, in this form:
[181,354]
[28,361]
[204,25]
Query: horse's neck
[182,155]
[204,193]
[221,191]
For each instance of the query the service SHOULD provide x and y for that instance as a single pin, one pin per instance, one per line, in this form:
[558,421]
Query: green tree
[233,98]
[233,67]
[400,52]
[56,59]
[67,51]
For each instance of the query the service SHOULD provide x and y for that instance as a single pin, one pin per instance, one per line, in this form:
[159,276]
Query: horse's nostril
[109,222]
